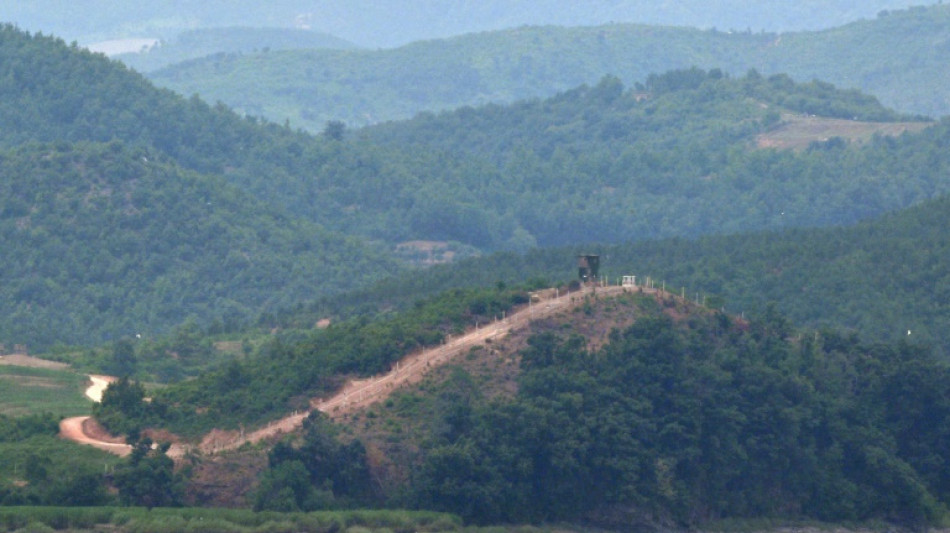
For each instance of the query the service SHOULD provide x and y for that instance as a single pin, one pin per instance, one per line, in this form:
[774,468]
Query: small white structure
[629,281]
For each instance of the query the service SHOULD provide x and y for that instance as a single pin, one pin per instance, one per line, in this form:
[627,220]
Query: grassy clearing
[231,520]
[25,390]
[796,132]
[63,457]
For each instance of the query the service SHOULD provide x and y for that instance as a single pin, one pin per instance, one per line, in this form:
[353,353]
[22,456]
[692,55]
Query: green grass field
[25,390]
[236,520]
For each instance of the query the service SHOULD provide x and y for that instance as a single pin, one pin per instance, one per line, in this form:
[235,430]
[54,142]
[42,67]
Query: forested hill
[107,241]
[594,164]
[374,24]
[676,157]
[628,409]
[898,57]
[110,226]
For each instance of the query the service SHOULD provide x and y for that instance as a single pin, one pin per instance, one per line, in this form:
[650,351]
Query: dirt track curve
[356,394]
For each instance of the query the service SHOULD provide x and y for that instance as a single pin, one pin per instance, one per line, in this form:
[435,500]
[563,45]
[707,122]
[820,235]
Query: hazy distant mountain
[385,23]
[194,44]
[900,57]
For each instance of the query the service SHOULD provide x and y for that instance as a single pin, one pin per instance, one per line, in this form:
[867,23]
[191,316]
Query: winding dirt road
[77,429]
[81,428]
[99,384]
[356,394]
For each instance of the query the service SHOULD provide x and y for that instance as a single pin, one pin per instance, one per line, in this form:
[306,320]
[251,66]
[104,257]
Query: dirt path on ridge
[356,394]
[360,394]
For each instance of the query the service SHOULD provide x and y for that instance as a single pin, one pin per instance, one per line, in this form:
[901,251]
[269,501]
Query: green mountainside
[681,418]
[676,157]
[103,242]
[128,210]
[114,217]
[897,57]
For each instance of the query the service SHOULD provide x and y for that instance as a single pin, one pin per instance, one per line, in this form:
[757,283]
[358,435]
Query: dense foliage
[897,57]
[106,241]
[108,228]
[111,233]
[700,420]
[148,479]
[20,428]
[321,473]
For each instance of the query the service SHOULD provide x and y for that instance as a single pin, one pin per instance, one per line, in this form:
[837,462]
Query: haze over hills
[897,57]
[194,44]
[676,157]
[389,23]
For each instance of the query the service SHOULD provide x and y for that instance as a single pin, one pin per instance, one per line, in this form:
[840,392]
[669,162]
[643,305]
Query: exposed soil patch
[425,252]
[224,481]
[98,386]
[797,132]
[76,428]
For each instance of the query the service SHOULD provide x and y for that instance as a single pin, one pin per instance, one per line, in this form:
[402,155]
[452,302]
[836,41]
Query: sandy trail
[75,429]
[99,384]
[82,429]
[356,394]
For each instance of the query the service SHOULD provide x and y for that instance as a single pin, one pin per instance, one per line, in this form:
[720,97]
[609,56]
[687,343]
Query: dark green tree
[149,479]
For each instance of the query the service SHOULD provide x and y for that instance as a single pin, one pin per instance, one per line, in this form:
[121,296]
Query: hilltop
[626,406]
[895,57]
